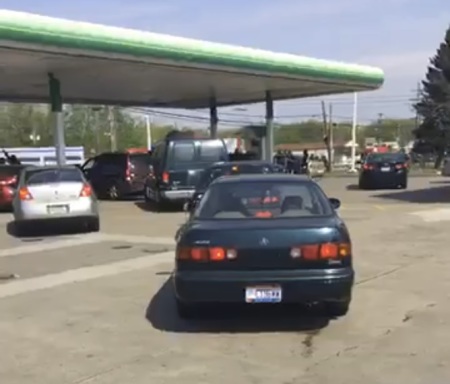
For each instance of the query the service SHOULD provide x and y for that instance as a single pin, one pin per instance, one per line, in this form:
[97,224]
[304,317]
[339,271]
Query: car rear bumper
[29,210]
[298,286]
[177,195]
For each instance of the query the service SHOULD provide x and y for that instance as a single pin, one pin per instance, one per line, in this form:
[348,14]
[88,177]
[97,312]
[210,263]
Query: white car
[52,194]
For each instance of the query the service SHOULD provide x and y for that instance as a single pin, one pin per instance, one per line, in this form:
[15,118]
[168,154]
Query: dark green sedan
[262,240]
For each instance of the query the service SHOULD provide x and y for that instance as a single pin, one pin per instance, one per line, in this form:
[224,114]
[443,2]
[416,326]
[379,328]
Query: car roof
[269,177]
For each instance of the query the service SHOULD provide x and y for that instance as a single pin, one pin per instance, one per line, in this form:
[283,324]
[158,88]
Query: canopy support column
[58,119]
[213,118]
[267,144]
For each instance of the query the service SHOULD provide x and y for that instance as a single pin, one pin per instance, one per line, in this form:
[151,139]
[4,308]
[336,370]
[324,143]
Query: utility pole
[112,129]
[326,133]
[418,94]
[330,136]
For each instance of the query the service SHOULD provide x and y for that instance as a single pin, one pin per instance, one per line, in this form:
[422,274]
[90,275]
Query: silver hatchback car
[53,194]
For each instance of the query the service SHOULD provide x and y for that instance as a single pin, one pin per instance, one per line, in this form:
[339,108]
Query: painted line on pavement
[79,275]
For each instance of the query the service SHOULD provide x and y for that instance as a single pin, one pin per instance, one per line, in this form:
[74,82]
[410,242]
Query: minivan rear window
[184,154]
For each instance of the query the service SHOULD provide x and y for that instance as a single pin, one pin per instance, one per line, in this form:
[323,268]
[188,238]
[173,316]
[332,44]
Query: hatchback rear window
[48,176]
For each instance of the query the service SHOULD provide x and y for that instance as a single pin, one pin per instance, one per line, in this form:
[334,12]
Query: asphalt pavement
[98,308]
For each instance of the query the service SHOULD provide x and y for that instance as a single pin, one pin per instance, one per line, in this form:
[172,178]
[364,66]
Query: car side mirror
[335,203]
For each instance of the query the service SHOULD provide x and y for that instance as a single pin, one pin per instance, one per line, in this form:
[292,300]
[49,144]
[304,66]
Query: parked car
[117,174]
[177,165]
[9,175]
[51,194]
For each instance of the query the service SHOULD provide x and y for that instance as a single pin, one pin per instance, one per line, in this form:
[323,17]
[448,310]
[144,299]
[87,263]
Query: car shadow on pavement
[162,315]
[150,207]
[45,229]
[419,196]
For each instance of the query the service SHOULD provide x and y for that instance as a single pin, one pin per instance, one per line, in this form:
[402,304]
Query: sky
[397,35]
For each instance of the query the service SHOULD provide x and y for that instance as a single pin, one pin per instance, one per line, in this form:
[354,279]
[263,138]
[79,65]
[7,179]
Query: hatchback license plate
[385,169]
[266,294]
[57,209]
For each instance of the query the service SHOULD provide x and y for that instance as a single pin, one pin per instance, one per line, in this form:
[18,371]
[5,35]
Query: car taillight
[9,180]
[401,166]
[128,173]
[24,194]
[321,251]
[368,167]
[165,177]
[205,254]
[86,191]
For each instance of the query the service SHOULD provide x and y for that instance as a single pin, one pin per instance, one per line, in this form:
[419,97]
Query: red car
[9,175]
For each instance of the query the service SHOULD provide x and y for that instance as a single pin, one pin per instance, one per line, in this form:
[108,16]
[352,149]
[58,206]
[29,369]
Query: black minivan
[177,164]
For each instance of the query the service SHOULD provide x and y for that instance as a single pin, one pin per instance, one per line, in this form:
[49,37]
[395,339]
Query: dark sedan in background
[261,240]
[384,170]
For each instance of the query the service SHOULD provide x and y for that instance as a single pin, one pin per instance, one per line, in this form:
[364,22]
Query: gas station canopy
[106,65]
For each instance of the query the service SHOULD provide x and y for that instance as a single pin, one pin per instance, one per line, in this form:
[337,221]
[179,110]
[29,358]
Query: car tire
[404,185]
[337,308]
[362,185]
[187,311]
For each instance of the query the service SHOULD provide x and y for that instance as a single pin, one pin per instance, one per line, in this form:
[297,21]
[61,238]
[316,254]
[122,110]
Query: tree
[434,104]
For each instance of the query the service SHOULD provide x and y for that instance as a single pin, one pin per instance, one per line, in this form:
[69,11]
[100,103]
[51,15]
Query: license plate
[385,169]
[57,209]
[272,294]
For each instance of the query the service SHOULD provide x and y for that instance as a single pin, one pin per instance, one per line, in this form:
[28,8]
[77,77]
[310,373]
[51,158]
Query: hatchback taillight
[86,191]
[24,194]
[368,167]
[165,177]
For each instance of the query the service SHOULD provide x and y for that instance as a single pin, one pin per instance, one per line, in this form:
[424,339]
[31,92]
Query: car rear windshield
[48,176]
[210,174]
[386,158]
[263,200]
[185,154]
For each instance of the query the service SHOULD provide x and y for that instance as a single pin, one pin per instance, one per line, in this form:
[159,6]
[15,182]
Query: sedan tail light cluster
[324,251]
[205,254]
[86,191]
[401,166]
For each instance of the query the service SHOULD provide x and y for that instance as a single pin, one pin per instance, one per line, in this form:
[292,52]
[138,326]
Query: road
[98,308]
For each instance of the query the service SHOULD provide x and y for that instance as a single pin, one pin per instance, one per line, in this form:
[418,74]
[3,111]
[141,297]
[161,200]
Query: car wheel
[404,185]
[187,311]
[361,185]
[337,308]
[113,192]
